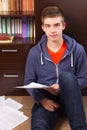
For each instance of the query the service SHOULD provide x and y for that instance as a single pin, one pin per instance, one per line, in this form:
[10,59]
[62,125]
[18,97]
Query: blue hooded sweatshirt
[41,69]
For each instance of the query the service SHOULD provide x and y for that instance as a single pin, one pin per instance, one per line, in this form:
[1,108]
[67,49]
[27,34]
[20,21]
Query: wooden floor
[27,101]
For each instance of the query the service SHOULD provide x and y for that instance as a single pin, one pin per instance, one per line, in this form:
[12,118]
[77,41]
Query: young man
[59,62]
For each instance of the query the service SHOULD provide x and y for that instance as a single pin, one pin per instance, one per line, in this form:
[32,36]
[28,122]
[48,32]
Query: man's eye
[47,26]
[57,25]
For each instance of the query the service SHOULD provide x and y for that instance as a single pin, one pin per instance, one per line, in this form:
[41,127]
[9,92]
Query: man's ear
[64,25]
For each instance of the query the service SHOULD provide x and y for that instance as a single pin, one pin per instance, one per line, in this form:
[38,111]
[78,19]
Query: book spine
[24,5]
[20,27]
[28,27]
[0,24]
[31,28]
[1,9]
[5,5]
[16,27]
[17,5]
[13,5]
[20,5]
[30,5]
[9,5]
[8,26]
[3,20]
[24,27]
[13,26]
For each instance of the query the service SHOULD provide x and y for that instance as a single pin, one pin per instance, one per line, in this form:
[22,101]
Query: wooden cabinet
[13,55]
[12,66]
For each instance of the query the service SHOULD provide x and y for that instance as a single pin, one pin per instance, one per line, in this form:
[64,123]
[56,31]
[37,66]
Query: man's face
[53,27]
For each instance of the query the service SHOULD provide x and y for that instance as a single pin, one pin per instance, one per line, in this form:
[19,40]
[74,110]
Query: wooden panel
[12,67]
[13,56]
[9,80]
[76,17]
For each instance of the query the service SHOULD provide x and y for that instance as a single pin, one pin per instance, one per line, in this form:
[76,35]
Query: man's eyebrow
[46,24]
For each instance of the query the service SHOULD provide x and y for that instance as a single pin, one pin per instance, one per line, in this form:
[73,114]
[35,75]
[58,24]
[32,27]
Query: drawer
[13,56]
[20,49]
[12,62]
[9,80]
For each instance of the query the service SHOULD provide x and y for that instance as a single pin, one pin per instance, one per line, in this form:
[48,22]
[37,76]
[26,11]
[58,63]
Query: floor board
[27,101]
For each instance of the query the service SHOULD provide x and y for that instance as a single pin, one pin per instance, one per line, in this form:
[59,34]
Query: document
[11,119]
[13,104]
[10,115]
[2,99]
[33,85]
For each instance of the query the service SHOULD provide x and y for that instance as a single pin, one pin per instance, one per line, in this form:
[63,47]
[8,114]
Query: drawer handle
[6,51]
[10,75]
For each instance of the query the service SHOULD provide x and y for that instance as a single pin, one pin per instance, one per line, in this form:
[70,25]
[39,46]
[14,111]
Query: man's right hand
[49,104]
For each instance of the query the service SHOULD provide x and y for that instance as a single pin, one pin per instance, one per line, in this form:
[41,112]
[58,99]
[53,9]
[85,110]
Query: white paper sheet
[11,120]
[2,99]
[33,85]
[10,116]
[13,104]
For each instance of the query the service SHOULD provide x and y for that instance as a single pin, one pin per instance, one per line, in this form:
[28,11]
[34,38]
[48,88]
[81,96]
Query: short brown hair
[51,11]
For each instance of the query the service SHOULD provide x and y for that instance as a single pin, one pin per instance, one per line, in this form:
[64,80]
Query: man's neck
[55,45]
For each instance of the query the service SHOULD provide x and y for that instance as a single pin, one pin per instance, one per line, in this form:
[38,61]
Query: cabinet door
[13,56]
[9,79]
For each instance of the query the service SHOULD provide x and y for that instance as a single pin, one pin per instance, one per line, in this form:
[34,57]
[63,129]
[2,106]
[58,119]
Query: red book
[30,5]
[24,5]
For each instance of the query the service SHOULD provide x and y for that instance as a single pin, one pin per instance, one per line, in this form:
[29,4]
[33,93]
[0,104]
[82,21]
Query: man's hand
[49,104]
[53,89]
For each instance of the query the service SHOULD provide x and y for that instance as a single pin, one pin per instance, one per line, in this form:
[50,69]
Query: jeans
[71,102]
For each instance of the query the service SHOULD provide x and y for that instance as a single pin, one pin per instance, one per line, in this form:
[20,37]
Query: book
[3,20]
[1,9]
[24,26]
[28,28]
[31,27]
[13,5]
[30,5]
[5,5]
[13,26]
[0,25]
[24,5]
[8,25]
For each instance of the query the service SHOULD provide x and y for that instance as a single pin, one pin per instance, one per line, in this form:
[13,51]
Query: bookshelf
[17,20]
[13,55]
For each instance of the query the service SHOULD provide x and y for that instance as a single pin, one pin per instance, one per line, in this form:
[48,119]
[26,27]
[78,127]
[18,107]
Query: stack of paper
[10,115]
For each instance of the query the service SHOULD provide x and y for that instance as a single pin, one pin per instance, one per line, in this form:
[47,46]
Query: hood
[70,42]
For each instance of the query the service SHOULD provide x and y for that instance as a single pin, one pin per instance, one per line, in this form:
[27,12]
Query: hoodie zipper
[57,73]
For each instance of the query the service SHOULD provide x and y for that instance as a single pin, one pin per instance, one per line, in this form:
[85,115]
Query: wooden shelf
[16,13]
[26,40]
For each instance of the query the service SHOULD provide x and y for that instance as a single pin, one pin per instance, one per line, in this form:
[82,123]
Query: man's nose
[52,29]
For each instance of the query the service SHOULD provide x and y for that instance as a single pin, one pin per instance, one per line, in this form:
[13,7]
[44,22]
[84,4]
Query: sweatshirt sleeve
[31,76]
[82,68]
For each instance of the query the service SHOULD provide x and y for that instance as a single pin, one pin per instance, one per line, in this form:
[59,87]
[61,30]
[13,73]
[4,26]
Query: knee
[67,76]
[68,81]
